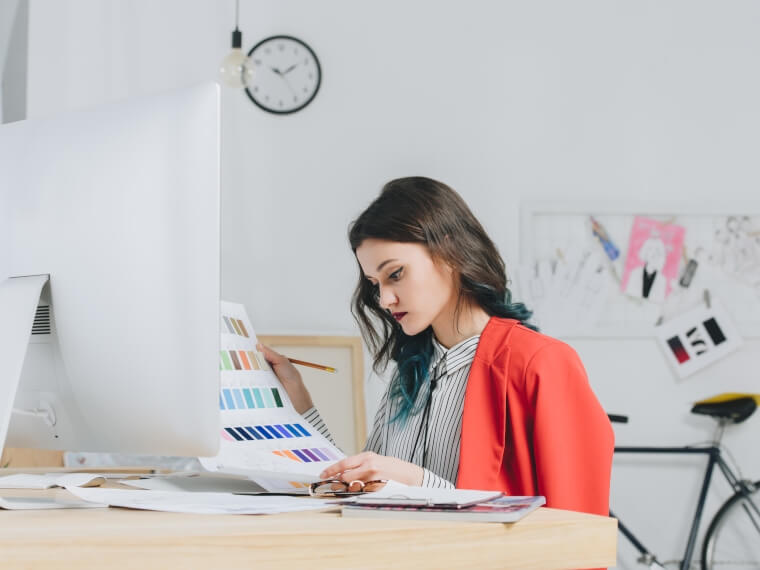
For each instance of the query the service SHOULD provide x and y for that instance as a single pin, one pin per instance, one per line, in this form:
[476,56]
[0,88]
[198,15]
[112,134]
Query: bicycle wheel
[733,538]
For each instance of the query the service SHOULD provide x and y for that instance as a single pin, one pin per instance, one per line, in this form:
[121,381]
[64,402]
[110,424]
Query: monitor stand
[19,297]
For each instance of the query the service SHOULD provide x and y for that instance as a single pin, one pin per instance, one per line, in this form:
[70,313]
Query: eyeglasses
[338,488]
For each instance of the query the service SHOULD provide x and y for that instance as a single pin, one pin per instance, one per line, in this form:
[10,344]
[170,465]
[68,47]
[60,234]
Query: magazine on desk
[502,509]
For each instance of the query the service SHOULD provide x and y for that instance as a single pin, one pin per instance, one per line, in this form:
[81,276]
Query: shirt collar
[446,361]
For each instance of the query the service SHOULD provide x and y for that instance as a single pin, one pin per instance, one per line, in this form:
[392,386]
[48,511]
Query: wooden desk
[122,538]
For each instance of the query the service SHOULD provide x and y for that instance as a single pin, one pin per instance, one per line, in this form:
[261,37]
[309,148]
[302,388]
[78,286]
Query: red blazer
[531,424]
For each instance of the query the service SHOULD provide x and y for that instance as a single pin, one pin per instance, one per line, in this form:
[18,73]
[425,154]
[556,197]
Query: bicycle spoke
[752,517]
[733,540]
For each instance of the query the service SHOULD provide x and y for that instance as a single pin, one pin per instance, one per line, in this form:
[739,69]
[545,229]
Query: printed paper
[262,435]
[654,254]
[698,338]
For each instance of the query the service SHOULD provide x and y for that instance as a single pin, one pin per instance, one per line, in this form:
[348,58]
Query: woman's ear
[443,265]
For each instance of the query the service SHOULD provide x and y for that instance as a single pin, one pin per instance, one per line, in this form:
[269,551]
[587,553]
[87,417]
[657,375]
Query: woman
[478,398]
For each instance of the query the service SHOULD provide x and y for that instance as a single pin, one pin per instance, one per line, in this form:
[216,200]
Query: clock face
[286,74]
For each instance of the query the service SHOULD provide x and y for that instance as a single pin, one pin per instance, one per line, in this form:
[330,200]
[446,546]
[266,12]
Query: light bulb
[234,71]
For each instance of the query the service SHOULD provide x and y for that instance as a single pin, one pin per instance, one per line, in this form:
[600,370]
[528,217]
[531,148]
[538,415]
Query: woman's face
[417,290]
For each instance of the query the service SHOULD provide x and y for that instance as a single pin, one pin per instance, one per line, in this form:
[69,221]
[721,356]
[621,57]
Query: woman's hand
[369,466]
[289,377]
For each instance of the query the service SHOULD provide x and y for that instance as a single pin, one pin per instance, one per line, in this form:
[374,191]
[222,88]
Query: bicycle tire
[732,540]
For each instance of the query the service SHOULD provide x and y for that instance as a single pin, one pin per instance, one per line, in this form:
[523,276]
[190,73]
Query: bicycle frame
[714,458]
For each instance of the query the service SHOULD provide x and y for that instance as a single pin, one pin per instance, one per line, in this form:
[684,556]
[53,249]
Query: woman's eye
[396,274]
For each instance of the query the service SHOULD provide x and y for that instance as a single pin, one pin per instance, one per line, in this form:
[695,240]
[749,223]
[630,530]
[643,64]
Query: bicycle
[732,539]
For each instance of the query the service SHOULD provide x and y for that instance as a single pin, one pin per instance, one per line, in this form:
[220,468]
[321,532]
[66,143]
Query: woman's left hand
[369,466]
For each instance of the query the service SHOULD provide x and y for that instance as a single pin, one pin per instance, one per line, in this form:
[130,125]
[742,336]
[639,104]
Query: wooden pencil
[313,365]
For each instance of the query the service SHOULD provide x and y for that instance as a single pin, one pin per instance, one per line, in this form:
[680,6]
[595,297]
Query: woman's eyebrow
[384,263]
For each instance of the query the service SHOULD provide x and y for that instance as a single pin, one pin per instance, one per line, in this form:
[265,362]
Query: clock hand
[277,71]
[285,79]
[289,69]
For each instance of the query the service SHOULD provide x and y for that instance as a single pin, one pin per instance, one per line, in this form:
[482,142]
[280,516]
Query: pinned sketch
[605,240]
[698,338]
[262,435]
[720,251]
[654,253]
[567,293]
[735,248]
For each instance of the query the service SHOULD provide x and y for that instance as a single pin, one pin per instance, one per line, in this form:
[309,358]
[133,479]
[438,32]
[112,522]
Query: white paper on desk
[262,435]
[48,480]
[200,484]
[37,503]
[199,503]
[404,494]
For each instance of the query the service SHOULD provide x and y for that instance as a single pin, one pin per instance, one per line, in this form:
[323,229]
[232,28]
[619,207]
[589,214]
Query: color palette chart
[242,360]
[250,398]
[313,455]
[262,436]
[232,325]
[275,431]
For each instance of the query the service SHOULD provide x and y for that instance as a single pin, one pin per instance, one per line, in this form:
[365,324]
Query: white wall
[503,101]
[7,20]
[5,238]
[13,59]
[7,17]
[85,52]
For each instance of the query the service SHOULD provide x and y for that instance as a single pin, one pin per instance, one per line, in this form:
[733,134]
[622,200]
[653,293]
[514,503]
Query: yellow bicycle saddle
[730,406]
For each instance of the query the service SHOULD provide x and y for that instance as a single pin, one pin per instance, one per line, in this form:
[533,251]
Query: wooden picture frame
[339,397]
[17,457]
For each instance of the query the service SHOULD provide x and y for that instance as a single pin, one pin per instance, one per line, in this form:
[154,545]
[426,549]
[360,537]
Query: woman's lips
[399,316]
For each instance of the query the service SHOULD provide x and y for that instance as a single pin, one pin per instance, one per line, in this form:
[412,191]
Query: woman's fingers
[362,472]
[289,377]
[271,356]
[342,466]
[369,466]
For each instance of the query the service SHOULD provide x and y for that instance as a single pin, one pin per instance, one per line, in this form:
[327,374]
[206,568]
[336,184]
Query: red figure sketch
[654,252]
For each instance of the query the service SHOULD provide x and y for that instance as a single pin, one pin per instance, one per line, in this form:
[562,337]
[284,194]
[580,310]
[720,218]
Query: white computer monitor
[120,206]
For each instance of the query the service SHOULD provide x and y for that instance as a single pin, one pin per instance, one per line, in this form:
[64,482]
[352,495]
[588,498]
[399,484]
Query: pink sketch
[654,253]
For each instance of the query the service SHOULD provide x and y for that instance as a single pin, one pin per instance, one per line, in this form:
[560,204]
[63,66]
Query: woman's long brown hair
[425,211]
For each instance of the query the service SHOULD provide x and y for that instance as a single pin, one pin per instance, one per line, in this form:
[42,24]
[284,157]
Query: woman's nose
[387,297]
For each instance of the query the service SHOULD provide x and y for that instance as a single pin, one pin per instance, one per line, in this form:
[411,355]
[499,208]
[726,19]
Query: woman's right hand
[289,377]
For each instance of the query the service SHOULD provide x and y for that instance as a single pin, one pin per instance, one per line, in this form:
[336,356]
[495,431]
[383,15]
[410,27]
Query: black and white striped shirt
[451,367]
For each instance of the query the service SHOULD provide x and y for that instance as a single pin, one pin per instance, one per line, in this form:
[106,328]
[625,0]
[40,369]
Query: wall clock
[286,76]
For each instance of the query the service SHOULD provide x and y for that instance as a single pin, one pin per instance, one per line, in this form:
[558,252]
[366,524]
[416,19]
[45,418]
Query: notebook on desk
[398,494]
[402,501]
[501,509]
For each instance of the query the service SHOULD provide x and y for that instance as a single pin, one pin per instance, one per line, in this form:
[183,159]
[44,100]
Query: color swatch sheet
[262,435]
